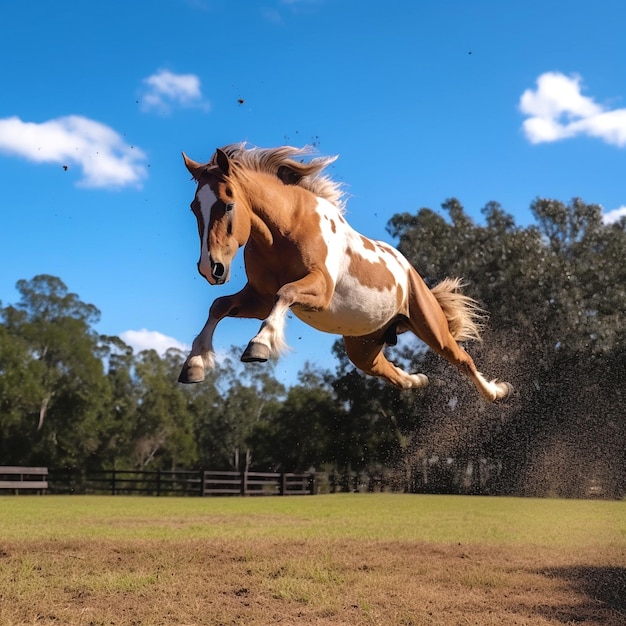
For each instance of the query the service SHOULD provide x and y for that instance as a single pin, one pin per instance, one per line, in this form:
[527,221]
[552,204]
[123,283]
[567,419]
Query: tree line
[556,295]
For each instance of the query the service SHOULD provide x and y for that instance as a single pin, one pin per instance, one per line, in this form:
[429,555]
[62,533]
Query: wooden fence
[191,483]
[18,479]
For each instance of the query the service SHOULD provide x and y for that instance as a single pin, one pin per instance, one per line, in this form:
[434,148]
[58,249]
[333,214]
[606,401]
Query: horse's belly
[359,311]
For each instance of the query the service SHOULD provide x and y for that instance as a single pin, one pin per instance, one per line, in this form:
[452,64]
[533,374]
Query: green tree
[20,378]
[163,436]
[298,434]
[554,291]
[371,431]
[247,394]
[120,414]
[54,326]
[204,404]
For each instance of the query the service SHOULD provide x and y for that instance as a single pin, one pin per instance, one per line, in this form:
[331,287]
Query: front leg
[313,292]
[246,303]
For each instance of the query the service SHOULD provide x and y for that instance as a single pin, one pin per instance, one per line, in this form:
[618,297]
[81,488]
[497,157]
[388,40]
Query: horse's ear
[193,167]
[288,175]
[223,162]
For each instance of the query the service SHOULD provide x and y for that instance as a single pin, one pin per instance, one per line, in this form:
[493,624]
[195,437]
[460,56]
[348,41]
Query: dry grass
[327,560]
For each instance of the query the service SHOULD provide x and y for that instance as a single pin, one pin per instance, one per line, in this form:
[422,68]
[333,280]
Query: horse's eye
[230,206]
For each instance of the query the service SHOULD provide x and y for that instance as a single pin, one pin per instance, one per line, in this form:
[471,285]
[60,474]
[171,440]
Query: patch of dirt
[321,582]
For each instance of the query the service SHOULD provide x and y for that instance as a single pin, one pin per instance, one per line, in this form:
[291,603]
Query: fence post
[312,484]
[283,484]
[113,482]
[202,482]
[158,482]
[244,483]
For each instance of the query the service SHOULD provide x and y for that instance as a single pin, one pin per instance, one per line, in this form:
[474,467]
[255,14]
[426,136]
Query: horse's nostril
[218,270]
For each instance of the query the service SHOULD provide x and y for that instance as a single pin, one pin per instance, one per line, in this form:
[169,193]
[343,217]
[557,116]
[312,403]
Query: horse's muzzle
[219,272]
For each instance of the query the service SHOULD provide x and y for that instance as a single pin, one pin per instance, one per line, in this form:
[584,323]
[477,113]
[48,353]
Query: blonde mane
[269,160]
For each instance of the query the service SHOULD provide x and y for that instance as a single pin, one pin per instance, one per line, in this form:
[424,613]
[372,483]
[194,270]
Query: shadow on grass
[604,589]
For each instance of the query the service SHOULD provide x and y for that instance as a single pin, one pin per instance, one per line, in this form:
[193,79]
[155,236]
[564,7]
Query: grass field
[327,560]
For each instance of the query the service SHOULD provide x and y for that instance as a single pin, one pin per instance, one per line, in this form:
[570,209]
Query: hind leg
[490,390]
[429,323]
[367,354]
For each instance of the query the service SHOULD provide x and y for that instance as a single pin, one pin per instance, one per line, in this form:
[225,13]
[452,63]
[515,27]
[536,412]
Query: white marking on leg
[201,362]
[411,381]
[272,333]
[202,347]
[491,390]
[418,380]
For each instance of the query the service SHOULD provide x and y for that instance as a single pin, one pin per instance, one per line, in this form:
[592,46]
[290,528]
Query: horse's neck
[274,207]
[260,231]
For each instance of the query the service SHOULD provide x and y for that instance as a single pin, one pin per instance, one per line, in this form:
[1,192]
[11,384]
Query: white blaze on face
[206,198]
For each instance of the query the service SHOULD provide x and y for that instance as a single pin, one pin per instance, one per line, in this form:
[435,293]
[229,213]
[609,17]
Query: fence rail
[18,478]
[191,483]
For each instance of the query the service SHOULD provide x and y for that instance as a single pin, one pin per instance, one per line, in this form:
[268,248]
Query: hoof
[191,374]
[419,380]
[508,390]
[255,353]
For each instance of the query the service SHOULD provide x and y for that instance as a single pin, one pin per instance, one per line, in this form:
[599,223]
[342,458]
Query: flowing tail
[463,313]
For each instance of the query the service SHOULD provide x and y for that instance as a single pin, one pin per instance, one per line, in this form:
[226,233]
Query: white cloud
[145,339]
[558,110]
[104,158]
[166,89]
[614,216]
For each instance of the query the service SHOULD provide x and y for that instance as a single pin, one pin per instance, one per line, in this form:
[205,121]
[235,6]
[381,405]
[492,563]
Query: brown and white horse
[301,254]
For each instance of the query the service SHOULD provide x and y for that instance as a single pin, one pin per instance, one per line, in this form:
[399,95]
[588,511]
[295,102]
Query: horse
[300,254]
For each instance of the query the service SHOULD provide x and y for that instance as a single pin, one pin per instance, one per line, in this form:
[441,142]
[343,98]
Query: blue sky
[481,100]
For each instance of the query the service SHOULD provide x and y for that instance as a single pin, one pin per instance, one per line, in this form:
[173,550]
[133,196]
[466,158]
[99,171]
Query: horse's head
[222,225]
